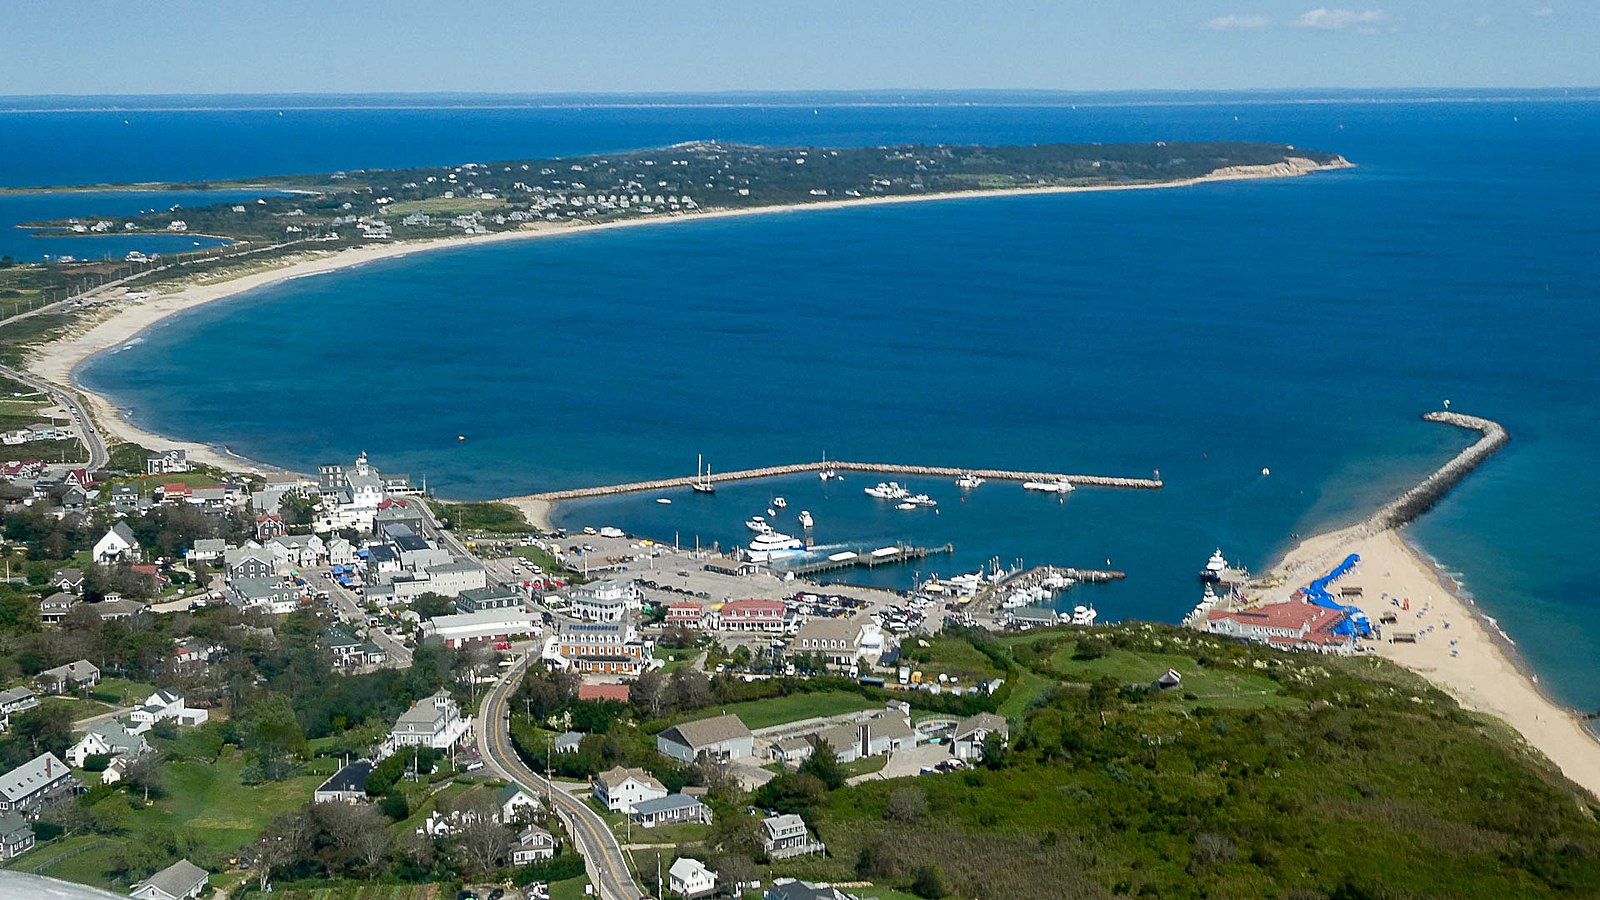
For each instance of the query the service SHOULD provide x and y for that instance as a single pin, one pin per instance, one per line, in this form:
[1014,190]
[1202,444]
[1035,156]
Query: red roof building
[691,615]
[1292,625]
[753,615]
[618,692]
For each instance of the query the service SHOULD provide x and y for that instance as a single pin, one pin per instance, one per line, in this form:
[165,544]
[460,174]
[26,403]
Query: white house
[967,743]
[435,722]
[489,625]
[533,844]
[691,878]
[340,552]
[721,738]
[117,545]
[181,880]
[605,601]
[839,641]
[785,835]
[297,550]
[618,789]
[107,739]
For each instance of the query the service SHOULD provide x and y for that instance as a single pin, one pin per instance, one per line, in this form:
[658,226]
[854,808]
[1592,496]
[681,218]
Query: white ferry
[1049,487]
[775,545]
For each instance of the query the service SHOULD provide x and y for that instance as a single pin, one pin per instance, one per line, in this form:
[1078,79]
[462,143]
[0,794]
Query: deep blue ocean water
[1301,325]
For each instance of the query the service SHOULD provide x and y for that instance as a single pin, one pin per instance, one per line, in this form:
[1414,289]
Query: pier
[1419,499]
[865,558]
[662,484]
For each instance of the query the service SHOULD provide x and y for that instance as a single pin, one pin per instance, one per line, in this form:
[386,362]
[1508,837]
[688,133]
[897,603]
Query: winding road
[90,435]
[608,868]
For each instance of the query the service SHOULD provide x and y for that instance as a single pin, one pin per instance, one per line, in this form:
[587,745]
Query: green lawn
[781,710]
[571,889]
[121,691]
[944,655]
[676,835]
[439,205]
[1030,685]
[1209,687]
[220,812]
[80,708]
[865,766]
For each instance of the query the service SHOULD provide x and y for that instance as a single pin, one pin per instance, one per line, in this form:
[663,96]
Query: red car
[503,645]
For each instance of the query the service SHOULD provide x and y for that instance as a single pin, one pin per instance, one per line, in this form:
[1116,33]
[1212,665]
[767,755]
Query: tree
[996,752]
[272,735]
[688,689]
[648,694]
[823,765]
[481,839]
[286,838]
[297,508]
[928,883]
[431,605]
[145,777]
[906,805]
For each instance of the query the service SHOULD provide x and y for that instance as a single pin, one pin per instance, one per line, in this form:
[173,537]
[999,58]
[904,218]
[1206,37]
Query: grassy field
[121,691]
[571,889]
[793,708]
[356,890]
[1230,688]
[502,518]
[1023,693]
[441,206]
[945,655]
[864,766]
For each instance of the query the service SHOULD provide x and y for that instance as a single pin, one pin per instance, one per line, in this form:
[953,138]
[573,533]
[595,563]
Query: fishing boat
[968,481]
[887,490]
[774,545]
[758,524]
[805,519]
[1062,486]
[1212,573]
[780,503]
[702,483]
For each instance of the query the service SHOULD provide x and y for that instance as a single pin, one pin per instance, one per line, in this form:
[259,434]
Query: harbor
[865,557]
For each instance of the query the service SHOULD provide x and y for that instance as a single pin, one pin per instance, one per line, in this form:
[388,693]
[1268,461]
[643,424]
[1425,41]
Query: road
[348,607]
[608,869]
[98,455]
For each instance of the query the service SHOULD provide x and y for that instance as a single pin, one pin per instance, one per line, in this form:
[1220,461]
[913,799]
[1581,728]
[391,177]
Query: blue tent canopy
[1355,621]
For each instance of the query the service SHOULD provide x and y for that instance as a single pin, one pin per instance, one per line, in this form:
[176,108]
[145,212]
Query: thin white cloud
[1340,19]
[1237,23]
[1544,12]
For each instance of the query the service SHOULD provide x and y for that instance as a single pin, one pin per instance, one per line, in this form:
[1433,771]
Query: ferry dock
[865,558]
[662,484]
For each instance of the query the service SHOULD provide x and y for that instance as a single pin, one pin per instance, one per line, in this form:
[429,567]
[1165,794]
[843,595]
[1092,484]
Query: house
[479,599]
[785,836]
[35,783]
[69,677]
[770,616]
[16,836]
[670,810]
[117,609]
[970,733]
[182,879]
[117,545]
[881,734]
[605,601]
[163,705]
[250,561]
[533,844]
[435,722]
[125,498]
[17,700]
[296,551]
[789,889]
[839,642]
[1290,625]
[348,785]
[349,650]
[619,789]
[55,607]
[792,751]
[1169,680]
[689,615]
[516,805]
[608,648]
[78,477]
[690,878]
[76,499]
[269,526]
[116,770]
[107,739]
[568,742]
[274,594]
[341,552]
[208,550]
[720,738]
[167,462]
[68,580]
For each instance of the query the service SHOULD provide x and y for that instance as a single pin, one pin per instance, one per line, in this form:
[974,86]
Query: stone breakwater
[660,484]
[1419,499]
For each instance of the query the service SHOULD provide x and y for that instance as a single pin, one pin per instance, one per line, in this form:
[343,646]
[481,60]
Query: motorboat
[664,501]
[905,504]
[968,481]
[758,524]
[1084,615]
[922,500]
[775,545]
[887,490]
[805,519]
[780,503]
[1062,486]
[1212,573]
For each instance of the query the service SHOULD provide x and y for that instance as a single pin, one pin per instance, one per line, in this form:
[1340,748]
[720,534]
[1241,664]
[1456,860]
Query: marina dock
[867,557]
[661,484]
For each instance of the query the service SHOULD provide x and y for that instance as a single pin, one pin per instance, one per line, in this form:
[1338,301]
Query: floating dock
[661,484]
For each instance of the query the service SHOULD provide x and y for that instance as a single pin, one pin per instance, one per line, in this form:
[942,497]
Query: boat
[827,473]
[968,481]
[1084,615]
[780,503]
[887,490]
[758,524]
[702,483]
[1212,573]
[1061,486]
[922,500]
[663,501]
[805,519]
[905,504]
[775,545]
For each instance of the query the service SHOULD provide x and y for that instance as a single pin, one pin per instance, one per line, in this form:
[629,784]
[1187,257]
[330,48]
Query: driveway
[907,763]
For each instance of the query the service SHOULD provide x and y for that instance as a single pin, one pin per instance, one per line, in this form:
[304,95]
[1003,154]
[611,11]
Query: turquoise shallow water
[1208,332]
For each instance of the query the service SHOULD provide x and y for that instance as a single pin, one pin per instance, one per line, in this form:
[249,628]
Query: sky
[533,46]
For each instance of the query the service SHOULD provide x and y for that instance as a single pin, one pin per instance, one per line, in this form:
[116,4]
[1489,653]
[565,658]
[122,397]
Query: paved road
[98,455]
[348,607]
[608,869]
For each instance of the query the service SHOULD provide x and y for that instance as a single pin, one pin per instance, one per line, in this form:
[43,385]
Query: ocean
[1298,325]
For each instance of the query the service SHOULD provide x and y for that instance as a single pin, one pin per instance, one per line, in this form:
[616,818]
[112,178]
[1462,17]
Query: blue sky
[180,46]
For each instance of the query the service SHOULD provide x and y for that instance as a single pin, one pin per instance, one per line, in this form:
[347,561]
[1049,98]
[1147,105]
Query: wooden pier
[864,558]
[662,484]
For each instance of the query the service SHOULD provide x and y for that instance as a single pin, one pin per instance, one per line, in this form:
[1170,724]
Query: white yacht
[758,524]
[775,545]
[664,501]
[780,503]
[805,519]
[1049,487]
[887,490]
[922,500]
[1084,615]
[1214,567]
[968,481]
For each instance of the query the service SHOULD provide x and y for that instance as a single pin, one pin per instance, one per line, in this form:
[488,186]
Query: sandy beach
[119,322]
[1457,648]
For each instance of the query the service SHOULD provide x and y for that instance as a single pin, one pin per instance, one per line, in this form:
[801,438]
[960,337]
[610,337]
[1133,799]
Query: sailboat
[827,473]
[702,482]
